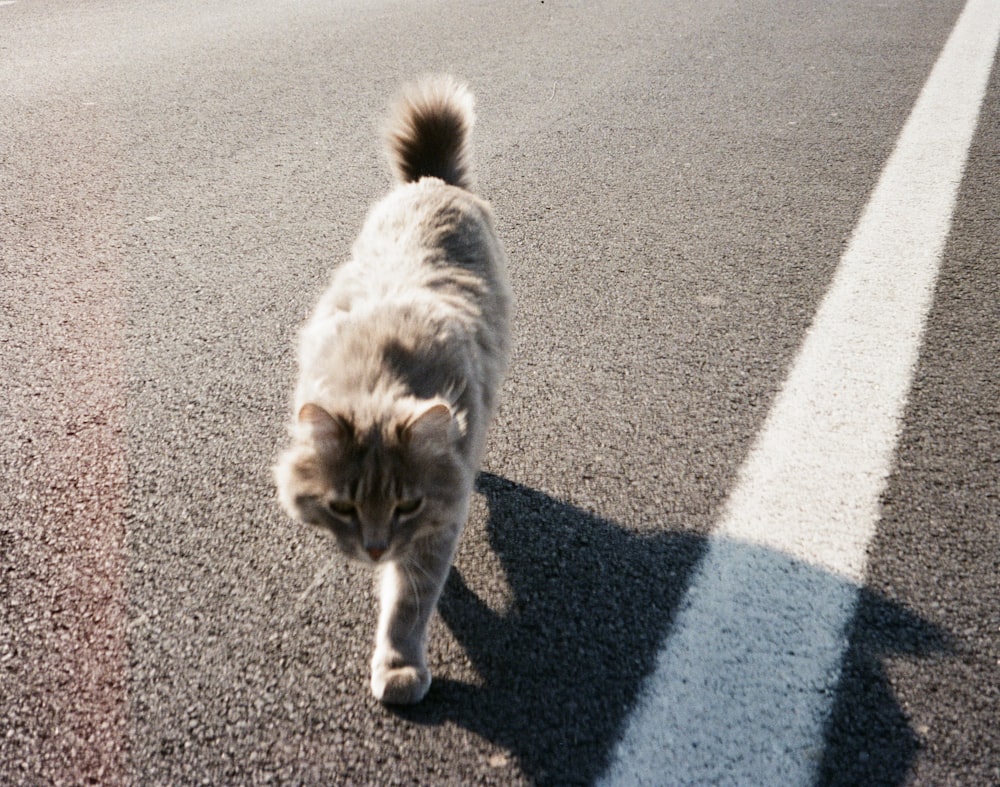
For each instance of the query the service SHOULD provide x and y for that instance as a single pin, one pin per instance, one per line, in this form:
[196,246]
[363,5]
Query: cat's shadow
[592,604]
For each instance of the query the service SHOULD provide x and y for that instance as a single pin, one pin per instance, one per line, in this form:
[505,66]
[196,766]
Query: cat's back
[424,300]
[425,243]
[430,223]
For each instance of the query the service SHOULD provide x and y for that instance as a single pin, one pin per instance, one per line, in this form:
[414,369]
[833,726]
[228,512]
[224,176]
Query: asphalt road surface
[676,184]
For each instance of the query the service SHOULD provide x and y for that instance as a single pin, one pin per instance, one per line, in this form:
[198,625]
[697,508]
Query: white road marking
[744,683]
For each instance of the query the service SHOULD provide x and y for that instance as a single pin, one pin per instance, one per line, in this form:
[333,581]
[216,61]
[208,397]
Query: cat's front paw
[400,685]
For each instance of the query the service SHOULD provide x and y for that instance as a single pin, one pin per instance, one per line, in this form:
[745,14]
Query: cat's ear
[320,425]
[431,425]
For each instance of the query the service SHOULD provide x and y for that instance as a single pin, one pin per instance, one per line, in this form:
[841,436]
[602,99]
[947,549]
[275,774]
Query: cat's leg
[409,589]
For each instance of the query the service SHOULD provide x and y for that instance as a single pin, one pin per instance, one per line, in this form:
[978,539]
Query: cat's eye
[407,507]
[341,508]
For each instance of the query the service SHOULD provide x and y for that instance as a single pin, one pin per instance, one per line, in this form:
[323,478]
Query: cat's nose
[375,552]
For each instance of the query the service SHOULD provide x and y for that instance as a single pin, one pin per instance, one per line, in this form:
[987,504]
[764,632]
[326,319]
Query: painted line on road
[745,681]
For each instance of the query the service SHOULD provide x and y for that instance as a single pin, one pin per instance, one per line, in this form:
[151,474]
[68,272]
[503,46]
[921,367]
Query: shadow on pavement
[592,605]
[868,738]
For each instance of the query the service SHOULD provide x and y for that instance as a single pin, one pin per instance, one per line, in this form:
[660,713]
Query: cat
[400,367]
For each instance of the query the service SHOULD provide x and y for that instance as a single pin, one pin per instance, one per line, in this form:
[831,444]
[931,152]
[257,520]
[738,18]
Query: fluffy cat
[400,367]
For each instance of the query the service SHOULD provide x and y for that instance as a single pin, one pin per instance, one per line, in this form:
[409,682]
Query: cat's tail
[428,132]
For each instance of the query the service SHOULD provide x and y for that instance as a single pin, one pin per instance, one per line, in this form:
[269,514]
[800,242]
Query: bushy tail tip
[428,132]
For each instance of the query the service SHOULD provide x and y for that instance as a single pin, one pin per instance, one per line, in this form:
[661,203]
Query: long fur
[428,132]
[400,367]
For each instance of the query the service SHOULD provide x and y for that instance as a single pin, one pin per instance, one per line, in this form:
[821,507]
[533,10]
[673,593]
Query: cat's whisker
[317,580]
[413,585]
[421,568]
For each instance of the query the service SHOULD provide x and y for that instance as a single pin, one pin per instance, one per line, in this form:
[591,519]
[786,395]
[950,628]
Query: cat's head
[377,487]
